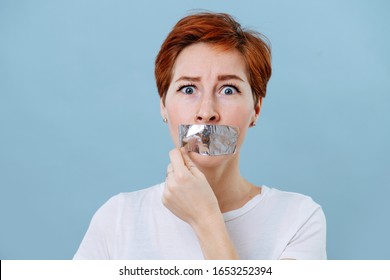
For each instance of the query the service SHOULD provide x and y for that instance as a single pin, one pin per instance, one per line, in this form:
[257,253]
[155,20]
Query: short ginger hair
[221,30]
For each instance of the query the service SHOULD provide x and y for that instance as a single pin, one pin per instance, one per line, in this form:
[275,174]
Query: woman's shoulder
[141,193]
[137,196]
[124,201]
[287,199]
[293,208]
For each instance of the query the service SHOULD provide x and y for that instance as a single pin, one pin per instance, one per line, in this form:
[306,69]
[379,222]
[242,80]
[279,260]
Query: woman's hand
[189,196]
[187,193]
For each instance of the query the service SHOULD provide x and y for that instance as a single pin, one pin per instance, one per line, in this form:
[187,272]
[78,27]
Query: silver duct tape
[211,140]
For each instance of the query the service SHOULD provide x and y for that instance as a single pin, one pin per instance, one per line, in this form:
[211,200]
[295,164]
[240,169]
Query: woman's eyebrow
[220,78]
[187,78]
[229,77]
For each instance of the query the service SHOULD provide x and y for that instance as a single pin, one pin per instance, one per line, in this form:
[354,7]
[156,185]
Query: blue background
[80,121]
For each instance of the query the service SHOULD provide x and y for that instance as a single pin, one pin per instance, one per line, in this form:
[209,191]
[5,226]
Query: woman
[208,72]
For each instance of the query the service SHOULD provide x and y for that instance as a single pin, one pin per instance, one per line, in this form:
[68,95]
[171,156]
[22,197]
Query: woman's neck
[230,188]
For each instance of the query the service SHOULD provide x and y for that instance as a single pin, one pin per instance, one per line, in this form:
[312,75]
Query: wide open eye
[229,90]
[187,89]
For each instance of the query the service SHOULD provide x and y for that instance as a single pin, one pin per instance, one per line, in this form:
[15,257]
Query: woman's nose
[207,111]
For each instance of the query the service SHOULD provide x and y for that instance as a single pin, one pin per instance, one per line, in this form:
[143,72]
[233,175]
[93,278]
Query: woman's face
[209,86]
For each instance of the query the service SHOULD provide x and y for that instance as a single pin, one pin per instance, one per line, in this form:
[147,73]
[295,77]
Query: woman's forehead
[205,60]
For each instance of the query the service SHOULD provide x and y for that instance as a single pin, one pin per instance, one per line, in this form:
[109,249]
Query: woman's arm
[189,196]
[214,239]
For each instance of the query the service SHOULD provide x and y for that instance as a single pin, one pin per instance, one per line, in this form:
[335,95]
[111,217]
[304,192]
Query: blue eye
[229,90]
[187,89]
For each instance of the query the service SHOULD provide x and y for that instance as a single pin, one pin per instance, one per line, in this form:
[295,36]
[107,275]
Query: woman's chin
[205,161]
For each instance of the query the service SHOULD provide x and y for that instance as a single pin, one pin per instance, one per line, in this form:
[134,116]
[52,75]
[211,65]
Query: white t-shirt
[272,225]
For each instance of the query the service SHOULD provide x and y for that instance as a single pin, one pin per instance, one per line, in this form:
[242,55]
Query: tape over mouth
[210,140]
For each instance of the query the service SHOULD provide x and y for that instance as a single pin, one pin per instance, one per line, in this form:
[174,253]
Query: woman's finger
[178,163]
[169,170]
[189,163]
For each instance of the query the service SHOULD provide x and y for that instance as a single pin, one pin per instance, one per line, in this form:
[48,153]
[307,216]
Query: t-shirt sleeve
[309,241]
[96,243]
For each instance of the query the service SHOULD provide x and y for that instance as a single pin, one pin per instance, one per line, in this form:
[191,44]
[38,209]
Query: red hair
[221,30]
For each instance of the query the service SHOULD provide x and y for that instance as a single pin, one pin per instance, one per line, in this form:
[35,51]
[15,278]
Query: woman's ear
[258,106]
[163,110]
[257,111]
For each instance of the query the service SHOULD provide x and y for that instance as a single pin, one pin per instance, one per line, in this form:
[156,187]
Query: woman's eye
[188,89]
[229,90]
